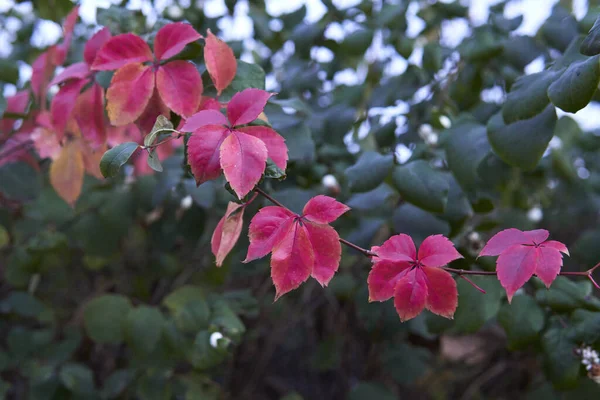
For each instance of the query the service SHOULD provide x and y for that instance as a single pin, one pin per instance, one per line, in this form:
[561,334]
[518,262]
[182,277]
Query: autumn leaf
[220,62]
[217,144]
[227,232]
[301,245]
[66,172]
[415,281]
[129,92]
[523,254]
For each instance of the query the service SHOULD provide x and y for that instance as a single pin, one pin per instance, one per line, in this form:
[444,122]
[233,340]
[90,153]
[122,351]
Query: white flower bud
[214,339]
[186,202]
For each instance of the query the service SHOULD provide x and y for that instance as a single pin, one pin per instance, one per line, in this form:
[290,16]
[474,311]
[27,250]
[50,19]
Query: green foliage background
[118,297]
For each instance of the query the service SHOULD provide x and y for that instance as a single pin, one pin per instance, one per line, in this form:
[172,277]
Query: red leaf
[397,248]
[42,69]
[227,232]
[327,250]
[220,62]
[266,230]
[68,27]
[130,90]
[549,262]
[410,294]
[15,148]
[120,51]
[172,38]
[204,150]
[437,251]
[63,104]
[537,236]
[89,114]
[502,241]
[278,151]
[75,71]
[324,209]
[180,86]
[245,106]
[243,159]
[557,245]
[16,103]
[66,172]
[383,278]
[292,260]
[515,266]
[203,118]
[94,44]
[154,108]
[442,295]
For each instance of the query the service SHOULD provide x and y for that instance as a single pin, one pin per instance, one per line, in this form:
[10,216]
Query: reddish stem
[472,283]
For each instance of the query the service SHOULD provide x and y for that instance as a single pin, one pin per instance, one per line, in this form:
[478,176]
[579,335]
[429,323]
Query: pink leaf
[227,232]
[556,245]
[245,106]
[154,108]
[503,240]
[120,51]
[397,248]
[172,38]
[327,249]
[203,118]
[278,151]
[515,266]
[410,294]
[180,86]
[383,278]
[45,143]
[15,148]
[324,209]
[63,104]
[130,91]
[204,150]
[537,236]
[42,69]
[16,103]
[220,62]
[292,260]
[243,159]
[89,114]
[75,71]
[442,298]
[94,44]
[267,229]
[548,264]
[437,250]
[68,27]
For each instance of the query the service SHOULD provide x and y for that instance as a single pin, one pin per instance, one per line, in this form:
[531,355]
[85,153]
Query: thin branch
[472,284]
[155,145]
[461,272]
[267,196]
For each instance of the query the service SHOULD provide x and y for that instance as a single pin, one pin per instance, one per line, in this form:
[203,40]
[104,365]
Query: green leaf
[20,181]
[104,318]
[405,363]
[560,28]
[77,378]
[418,223]
[528,96]
[299,141]
[203,355]
[143,328]
[225,319]
[370,170]
[189,307]
[162,125]
[370,391]
[114,158]
[53,10]
[575,88]
[247,76]
[475,308]
[522,143]
[357,42]
[9,72]
[522,320]
[585,326]
[182,296]
[422,186]
[154,161]
[566,295]
[591,44]
[466,145]
[116,383]
[561,365]
[272,171]
[23,304]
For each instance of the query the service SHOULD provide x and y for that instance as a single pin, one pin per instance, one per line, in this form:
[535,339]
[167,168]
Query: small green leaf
[475,308]
[116,383]
[561,364]
[422,186]
[161,125]
[203,355]
[522,320]
[77,378]
[272,171]
[591,44]
[9,72]
[154,161]
[104,318]
[225,319]
[370,170]
[522,143]
[143,328]
[528,96]
[370,391]
[247,76]
[114,158]
[566,295]
[575,88]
